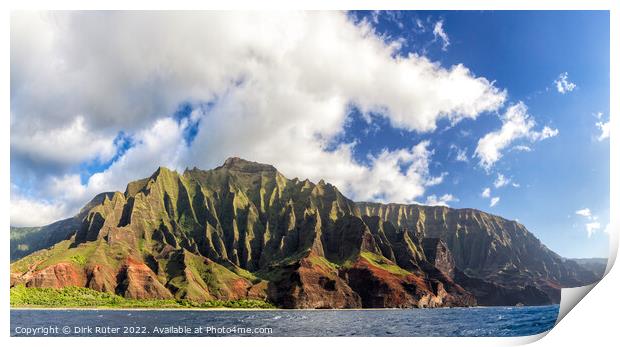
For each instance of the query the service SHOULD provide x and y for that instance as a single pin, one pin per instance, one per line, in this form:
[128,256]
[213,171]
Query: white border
[594,320]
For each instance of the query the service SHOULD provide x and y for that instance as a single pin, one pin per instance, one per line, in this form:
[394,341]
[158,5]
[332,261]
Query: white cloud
[544,134]
[494,201]
[419,24]
[65,145]
[374,15]
[202,55]
[522,148]
[439,32]
[516,124]
[281,85]
[161,144]
[384,179]
[592,227]
[62,196]
[584,213]
[501,181]
[433,200]
[35,212]
[461,153]
[563,85]
[436,180]
[486,193]
[604,128]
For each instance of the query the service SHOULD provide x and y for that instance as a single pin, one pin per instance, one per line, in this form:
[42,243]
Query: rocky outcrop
[379,287]
[308,283]
[137,281]
[487,247]
[438,254]
[243,230]
[101,278]
[493,294]
[55,276]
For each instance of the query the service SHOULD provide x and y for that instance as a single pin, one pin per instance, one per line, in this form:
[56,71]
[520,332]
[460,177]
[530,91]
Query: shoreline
[104,308]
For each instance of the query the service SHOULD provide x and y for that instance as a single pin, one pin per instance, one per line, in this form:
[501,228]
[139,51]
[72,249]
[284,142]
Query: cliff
[243,230]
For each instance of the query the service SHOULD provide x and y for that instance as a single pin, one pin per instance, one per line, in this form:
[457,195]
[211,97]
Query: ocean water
[479,321]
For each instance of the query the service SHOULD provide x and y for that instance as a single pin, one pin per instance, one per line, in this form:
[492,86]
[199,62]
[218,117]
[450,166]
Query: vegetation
[84,297]
[79,259]
[382,262]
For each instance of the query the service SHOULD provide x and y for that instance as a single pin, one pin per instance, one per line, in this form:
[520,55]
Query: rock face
[137,281]
[438,254]
[311,284]
[380,287]
[54,276]
[594,265]
[243,230]
[488,248]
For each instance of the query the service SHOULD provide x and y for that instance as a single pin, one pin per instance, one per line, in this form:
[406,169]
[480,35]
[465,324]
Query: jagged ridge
[244,230]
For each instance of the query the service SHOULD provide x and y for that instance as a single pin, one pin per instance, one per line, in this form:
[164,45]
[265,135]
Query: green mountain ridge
[244,231]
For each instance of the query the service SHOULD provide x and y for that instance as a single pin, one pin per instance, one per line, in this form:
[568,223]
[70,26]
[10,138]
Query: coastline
[107,308]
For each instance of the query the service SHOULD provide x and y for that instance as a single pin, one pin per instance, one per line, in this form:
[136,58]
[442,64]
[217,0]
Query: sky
[505,111]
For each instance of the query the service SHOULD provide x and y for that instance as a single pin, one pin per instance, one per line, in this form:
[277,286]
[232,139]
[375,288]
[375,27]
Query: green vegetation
[79,259]
[321,261]
[383,263]
[85,297]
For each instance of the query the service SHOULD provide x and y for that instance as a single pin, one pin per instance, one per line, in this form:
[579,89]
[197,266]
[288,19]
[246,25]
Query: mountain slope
[243,230]
[26,240]
[487,247]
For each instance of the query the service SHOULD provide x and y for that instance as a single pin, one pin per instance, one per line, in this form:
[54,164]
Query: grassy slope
[383,263]
[84,297]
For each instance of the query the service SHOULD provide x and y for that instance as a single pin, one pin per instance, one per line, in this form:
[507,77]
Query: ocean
[477,321]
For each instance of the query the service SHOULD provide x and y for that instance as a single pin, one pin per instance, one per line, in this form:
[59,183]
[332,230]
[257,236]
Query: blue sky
[525,51]
[427,107]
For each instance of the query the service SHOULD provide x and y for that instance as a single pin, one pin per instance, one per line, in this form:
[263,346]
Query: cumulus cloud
[65,145]
[563,85]
[516,124]
[439,33]
[174,57]
[486,193]
[585,212]
[501,181]
[394,176]
[545,133]
[62,196]
[433,200]
[460,153]
[280,85]
[22,211]
[604,128]
[592,226]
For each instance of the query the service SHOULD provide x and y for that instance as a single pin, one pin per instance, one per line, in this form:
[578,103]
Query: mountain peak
[238,164]
[161,170]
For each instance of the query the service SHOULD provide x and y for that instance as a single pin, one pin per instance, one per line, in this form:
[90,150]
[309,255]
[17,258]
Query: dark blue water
[483,321]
